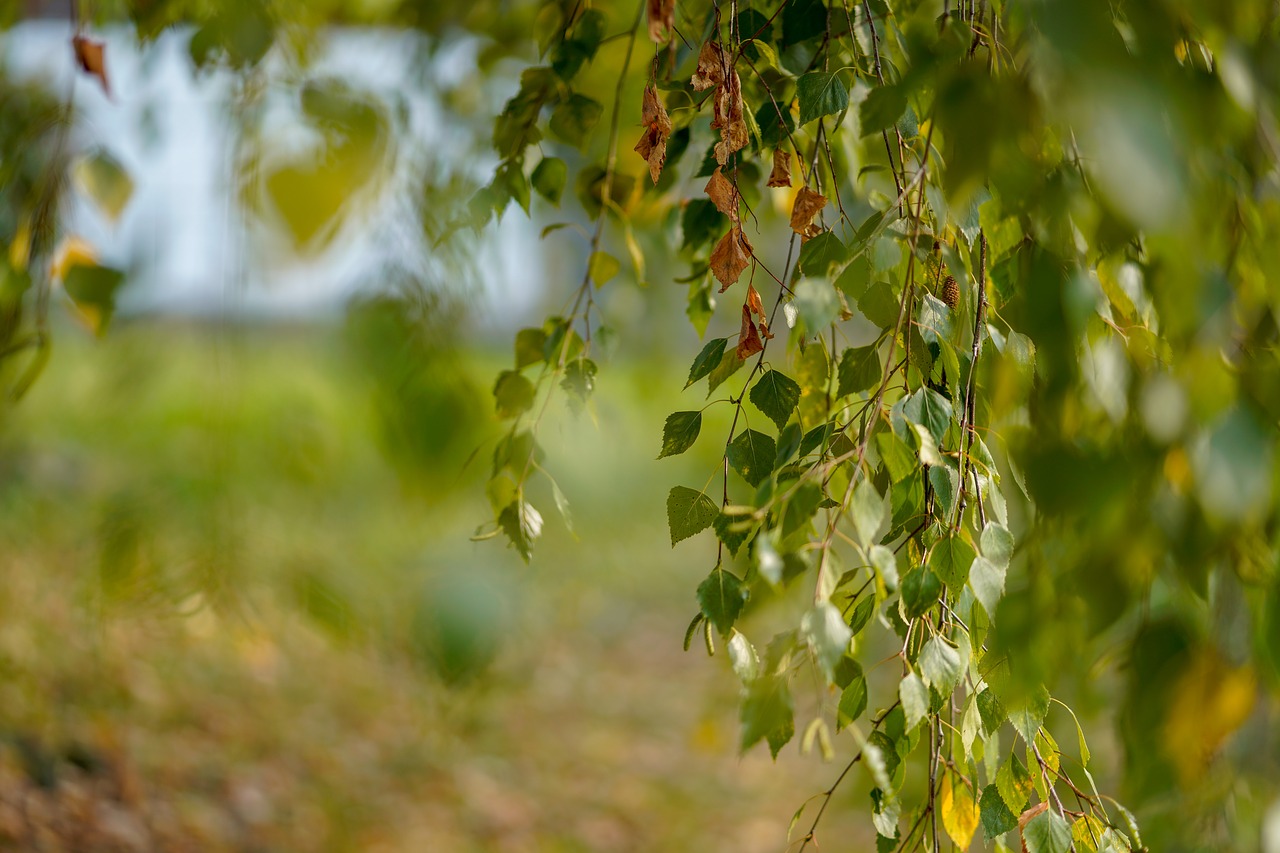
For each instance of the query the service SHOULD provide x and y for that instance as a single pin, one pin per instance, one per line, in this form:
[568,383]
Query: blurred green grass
[237,603]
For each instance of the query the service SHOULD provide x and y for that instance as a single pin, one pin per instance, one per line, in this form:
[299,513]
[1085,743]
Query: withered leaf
[652,146]
[716,69]
[749,342]
[710,70]
[808,205]
[662,15]
[727,115]
[725,195]
[732,255]
[92,56]
[757,308]
[781,174]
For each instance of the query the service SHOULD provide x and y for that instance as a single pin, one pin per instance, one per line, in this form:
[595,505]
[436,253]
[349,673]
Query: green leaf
[920,591]
[929,409]
[915,700]
[751,454]
[689,512]
[767,713]
[941,665]
[950,560]
[886,566]
[549,178]
[792,439]
[803,20]
[101,177]
[853,701]
[1047,832]
[828,635]
[680,432]
[1028,719]
[801,507]
[996,817]
[997,544]
[721,597]
[93,290]
[530,344]
[729,365]
[707,360]
[522,524]
[862,612]
[777,395]
[934,320]
[601,267]
[822,252]
[879,305]
[869,511]
[731,530]
[987,581]
[881,109]
[859,370]
[970,723]
[579,381]
[992,712]
[700,223]
[946,488]
[513,394]
[574,119]
[817,304]
[821,93]
[898,458]
[1014,784]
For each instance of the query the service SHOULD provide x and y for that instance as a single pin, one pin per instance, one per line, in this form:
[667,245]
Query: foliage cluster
[1004,379]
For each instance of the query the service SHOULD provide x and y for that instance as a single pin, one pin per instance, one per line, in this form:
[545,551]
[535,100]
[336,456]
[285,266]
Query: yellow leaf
[72,252]
[1086,832]
[1210,701]
[101,177]
[959,812]
[602,266]
[20,248]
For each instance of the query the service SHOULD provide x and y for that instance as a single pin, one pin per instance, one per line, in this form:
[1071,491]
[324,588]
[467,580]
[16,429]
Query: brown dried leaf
[652,146]
[710,70]
[92,56]
[662,14]
[727,115]
[749,342]
[781,174]
[732,138]
[725,195]
[757,308]
[808,205]
[732,255]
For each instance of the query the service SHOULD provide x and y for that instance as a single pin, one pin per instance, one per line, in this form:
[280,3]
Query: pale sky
[167,126]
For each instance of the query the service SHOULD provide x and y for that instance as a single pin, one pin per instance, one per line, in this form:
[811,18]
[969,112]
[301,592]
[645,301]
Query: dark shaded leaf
[777,395]
[752,455]
[721,597]
[680,432]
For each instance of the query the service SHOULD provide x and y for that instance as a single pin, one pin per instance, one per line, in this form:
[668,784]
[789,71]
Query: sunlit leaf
[689,512]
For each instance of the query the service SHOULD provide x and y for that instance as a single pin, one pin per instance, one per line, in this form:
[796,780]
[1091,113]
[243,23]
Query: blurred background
[241,609]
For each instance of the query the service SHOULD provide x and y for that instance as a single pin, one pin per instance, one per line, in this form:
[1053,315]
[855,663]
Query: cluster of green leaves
[1030,339]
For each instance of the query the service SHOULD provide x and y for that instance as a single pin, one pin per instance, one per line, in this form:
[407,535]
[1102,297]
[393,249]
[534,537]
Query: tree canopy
[989,292]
